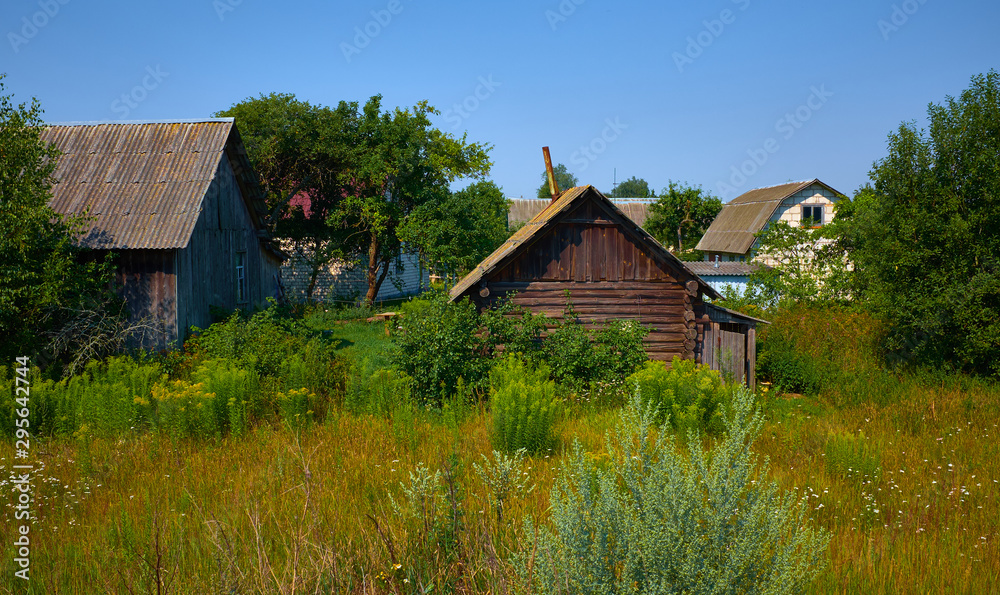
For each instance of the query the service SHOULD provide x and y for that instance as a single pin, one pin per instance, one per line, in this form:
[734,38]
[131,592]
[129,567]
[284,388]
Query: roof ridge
[112,122]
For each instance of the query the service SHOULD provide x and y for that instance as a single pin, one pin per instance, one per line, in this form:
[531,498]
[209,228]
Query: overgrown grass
[901,471]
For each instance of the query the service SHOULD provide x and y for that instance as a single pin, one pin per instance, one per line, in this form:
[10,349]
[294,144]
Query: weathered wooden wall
[147,280]
[206,268]
[608,274]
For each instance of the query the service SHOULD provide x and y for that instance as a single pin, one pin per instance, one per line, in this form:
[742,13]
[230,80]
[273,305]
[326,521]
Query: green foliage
[804,266]
[681,215]
[686,395]
[632,188]
[524,406]
[438,344]
[516,328]
[456,231]
[238,400]
[283,352]
[924,239]
[107,399]
[810,347]
[379,392]
[564,180]
[579,357]
[656,519]
[45,287]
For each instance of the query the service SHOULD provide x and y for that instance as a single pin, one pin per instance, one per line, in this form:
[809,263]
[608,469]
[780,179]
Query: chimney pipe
[553,187]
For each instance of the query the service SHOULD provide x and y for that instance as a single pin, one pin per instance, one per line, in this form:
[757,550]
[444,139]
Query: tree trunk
[375,276]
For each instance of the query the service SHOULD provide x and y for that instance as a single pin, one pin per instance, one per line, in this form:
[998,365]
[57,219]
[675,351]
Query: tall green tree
[681,215]
[633,188]
[46,284]
[299,152]
[398,162]
[924,237]
[456,231]
[564,179]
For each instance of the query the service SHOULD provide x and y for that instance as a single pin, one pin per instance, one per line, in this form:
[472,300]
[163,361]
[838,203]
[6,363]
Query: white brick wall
[347,281]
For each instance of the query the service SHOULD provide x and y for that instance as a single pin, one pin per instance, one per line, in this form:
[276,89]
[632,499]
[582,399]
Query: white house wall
[342,282]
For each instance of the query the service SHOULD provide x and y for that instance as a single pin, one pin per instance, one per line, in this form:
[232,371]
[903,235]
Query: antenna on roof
[553,187]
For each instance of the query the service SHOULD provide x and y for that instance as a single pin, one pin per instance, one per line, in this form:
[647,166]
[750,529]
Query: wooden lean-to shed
[179,206]
[613,269]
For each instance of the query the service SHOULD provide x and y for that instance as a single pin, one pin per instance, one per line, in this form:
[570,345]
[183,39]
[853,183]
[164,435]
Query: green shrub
[378,392]
[686,395]
[185,409]
[524,405]
[607,355]
[297,407]
[657,519]
[438,344]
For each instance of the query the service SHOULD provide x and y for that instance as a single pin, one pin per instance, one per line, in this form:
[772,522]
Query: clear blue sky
[674,90]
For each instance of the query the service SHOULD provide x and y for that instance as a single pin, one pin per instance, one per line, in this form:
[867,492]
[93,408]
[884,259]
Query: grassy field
[908,487]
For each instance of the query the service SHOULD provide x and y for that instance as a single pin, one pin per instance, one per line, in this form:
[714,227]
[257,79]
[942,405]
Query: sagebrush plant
[505,477]
[686,395]
[661,519]
[524,405]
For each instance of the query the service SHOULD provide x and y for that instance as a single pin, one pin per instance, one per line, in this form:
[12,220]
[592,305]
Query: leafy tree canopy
[44,285]
[681,215]
[564,180]
[925,235]
[455,231]
[633,188]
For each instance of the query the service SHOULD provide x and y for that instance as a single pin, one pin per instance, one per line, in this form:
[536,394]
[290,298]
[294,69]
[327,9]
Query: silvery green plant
[505,477]
[659,518]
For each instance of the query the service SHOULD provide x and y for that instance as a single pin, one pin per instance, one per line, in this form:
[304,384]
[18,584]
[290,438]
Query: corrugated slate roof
[709,269]
[142,183]
[541,221]
[733,230]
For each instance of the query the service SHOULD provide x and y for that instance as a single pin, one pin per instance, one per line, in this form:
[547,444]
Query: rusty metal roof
[542,220]
[142,183]
[734,228]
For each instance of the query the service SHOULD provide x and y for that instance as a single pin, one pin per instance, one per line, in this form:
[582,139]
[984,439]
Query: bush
[606,355]
[687,396]
[438,344]
[238,400]
[524,405]
[655,519]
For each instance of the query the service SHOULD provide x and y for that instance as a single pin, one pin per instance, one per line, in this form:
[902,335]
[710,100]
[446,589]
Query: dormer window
[813,213]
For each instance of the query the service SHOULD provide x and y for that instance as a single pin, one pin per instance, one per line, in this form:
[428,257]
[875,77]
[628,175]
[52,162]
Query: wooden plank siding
[607,274]
[207,265]
[582,249]
[147,280]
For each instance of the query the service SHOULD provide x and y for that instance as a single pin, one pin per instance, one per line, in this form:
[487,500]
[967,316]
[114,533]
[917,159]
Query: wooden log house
[583,248]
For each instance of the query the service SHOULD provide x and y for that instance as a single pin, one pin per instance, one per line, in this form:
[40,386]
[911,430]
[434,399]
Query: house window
[241,277]
[815,213]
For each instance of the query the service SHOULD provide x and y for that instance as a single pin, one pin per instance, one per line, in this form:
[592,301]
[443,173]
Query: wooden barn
[613,269]
[179,206]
